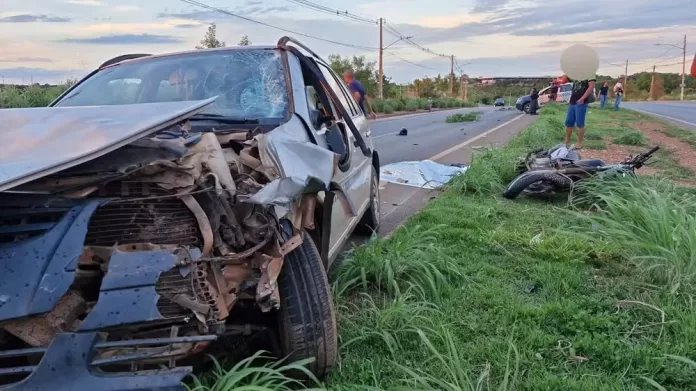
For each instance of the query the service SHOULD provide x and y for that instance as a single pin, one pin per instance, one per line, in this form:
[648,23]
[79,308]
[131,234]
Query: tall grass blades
[389,322]
[411,257]
[256,373]
[656,225]
[456,369]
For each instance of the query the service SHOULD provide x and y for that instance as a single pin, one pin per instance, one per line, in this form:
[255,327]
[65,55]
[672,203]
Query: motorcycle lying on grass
[545,172]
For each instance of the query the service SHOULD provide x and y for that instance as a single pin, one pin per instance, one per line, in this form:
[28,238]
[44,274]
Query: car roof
[195,51]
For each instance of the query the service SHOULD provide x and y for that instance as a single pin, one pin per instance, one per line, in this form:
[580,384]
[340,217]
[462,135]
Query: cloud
[93,3]
[25,59]
[127,39]
[28,18]
[482,6]
[126,8]
[251,8]
[187,25]
[26,75]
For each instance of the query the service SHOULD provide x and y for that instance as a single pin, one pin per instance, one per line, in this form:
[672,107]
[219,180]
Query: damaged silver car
[165,203]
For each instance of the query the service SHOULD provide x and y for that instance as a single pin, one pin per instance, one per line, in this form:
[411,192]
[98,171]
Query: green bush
[411,105]
[378,105]
[388,109]
[486,100]
[632,138]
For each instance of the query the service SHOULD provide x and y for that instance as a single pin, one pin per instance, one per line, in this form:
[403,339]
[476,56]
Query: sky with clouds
[48,41]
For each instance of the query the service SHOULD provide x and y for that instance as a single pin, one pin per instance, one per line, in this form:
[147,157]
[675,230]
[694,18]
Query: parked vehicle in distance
[165,203]
[499,102]
[563,96]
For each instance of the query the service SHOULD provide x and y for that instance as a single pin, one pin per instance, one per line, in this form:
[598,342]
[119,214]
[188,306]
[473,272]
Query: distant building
[487,81]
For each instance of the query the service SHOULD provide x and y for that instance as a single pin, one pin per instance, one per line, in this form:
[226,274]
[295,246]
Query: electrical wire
[395,32]
[409,62]
[327,10]
[211,8]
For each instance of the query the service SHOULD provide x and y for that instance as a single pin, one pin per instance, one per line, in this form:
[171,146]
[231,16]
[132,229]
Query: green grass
[479,293]
[467,117]
[630,138]
[388,106]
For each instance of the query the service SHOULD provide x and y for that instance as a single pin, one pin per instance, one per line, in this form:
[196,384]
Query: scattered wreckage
[137,232]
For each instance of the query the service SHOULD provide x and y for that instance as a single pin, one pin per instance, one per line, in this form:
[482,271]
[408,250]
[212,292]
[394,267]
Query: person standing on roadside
[534,104]
[577,109]
[603,94]
[359,93]
[618,91]
[554,90]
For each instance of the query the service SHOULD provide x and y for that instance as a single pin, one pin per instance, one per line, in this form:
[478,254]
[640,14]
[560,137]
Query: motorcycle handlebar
[650,152]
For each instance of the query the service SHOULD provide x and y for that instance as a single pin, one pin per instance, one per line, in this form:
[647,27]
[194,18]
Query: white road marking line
[471,140]
[663,116]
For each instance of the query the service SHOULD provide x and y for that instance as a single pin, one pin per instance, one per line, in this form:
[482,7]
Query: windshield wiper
[223,119]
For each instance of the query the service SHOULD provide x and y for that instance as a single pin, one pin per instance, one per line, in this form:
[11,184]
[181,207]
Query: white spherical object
[580,62]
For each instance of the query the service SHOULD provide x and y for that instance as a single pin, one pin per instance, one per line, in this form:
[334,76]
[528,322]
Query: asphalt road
[429,134]
[680,113]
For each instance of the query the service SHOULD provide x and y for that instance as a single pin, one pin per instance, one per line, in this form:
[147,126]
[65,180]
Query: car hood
[40,141]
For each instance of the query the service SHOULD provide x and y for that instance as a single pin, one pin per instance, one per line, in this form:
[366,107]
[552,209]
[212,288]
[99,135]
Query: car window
[340,92]
[120,91]
[248,83]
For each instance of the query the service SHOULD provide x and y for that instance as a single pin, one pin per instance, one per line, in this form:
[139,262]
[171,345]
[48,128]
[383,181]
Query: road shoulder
[401,201]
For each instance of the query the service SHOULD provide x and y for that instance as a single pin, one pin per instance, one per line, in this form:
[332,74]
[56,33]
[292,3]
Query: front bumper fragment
[69,364]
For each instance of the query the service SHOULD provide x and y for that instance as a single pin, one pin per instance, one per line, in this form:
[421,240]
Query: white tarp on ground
[426,174]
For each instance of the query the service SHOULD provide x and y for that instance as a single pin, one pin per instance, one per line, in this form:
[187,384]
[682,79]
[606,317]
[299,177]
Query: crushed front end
[116,271]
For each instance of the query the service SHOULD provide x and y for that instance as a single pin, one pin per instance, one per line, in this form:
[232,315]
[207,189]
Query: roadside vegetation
[480,293]
[389,106]
[29,96]
[465,117]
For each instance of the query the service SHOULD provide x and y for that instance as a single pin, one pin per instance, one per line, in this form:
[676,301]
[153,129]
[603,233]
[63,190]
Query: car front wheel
[369,223]
[306,319]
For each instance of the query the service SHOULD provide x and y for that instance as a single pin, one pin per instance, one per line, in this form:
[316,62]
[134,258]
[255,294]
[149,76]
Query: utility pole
[381,68]
[683,83]
[652,84]
[451,76]
[625,86]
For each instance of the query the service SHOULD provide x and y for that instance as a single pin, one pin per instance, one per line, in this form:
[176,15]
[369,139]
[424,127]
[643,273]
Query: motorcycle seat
[588,163]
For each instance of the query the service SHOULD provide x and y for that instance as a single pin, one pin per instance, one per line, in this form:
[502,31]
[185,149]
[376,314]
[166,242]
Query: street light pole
[683,49]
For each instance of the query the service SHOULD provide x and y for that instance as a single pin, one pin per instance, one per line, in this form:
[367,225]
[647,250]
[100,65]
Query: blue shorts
[576,115]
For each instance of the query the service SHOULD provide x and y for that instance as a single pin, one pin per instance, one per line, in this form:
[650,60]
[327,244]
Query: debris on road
[403,132]
[426,174]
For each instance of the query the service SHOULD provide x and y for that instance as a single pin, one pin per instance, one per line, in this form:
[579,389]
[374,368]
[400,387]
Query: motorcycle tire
[523,181]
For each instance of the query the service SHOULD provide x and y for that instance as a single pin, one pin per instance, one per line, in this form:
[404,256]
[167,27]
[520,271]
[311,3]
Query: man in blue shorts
[577,109]
[359,92]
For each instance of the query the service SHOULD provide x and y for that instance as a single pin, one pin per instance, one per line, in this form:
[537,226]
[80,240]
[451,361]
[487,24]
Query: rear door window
[340,92]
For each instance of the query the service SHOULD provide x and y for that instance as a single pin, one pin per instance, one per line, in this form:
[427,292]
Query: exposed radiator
[164,220]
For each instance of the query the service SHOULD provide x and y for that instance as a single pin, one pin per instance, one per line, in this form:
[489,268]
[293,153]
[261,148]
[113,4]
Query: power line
[412,63]
[327,10]
[211,8]
[395,32]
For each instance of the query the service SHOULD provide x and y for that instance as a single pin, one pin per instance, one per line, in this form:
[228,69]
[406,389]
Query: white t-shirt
[618,86]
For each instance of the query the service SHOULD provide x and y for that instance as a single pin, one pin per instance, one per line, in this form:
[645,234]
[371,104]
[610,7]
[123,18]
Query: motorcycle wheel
[523,181]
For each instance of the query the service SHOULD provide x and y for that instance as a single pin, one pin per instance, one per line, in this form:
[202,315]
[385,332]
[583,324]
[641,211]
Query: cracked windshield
[377,195]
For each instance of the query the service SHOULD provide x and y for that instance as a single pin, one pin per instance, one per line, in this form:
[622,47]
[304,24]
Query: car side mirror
[335,141]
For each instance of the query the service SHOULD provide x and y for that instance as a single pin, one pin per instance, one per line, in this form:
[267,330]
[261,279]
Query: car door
[354,182]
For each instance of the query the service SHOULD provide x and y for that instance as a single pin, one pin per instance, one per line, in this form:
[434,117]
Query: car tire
[306,319]
[525,108]
[369,223]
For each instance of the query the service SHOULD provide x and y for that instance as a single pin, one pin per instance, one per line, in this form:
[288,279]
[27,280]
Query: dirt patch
[682,152]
